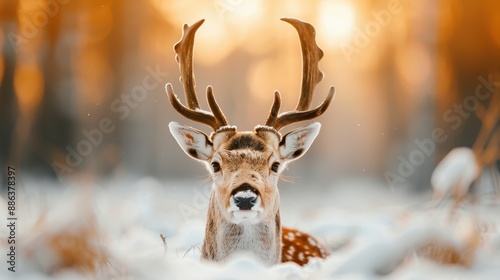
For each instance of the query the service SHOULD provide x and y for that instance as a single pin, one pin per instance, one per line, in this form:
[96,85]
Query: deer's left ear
[193,142]
[296,143]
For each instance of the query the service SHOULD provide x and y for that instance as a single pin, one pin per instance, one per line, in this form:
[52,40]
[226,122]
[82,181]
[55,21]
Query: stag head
[245,165]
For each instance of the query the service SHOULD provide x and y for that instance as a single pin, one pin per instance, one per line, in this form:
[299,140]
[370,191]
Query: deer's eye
[275,167]
[216,166]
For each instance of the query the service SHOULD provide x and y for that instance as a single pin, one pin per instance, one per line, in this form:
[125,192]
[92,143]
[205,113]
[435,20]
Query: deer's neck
[224,239]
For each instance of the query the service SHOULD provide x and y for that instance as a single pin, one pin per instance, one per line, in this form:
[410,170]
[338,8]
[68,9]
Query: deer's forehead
[246,159]
[246,141]
[246,148]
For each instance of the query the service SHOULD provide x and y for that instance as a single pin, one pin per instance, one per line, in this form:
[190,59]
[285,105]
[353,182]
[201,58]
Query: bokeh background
[66,66]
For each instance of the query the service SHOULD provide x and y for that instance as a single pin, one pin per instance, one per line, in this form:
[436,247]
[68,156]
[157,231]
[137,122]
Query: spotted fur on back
[300,247]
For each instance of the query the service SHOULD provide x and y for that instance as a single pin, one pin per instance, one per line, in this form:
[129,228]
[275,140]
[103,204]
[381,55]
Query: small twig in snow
[190,249]
[164,240]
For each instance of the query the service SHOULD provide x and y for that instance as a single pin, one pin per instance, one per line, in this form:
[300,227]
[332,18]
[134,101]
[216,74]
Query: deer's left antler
[184,50]
[311,76]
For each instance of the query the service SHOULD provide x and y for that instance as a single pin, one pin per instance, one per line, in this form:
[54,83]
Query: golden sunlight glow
[259,83]
[94,74]
[80,62]
[494,27]
[28,75]
[2,60]
[336,19]
[247,11]
[414,65]
[213,44]
[29,94]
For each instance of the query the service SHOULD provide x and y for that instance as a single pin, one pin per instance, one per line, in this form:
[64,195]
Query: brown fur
[254,160]
[247,163]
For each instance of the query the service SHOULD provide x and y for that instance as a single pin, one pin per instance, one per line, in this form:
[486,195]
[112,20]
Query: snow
[226,128]
[372,233]
[204,112]
[456,172]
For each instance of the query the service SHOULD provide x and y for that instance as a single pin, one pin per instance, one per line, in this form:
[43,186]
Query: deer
[245,166]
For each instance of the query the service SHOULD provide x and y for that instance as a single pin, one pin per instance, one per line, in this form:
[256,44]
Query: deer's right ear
[193,142]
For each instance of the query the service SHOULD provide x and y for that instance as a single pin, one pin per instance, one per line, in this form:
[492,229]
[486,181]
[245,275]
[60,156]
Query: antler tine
[214,107]
[273,114]
[184,56]
[287,118]
[196,115]
[311,76]
[311,55]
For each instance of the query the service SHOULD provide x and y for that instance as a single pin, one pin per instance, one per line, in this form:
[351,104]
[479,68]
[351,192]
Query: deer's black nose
[245,197]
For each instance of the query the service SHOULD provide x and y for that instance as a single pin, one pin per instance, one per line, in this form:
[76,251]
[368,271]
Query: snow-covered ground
[114,229]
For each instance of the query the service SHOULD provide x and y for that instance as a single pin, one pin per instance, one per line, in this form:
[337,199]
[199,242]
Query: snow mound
[455,173]
[134,230]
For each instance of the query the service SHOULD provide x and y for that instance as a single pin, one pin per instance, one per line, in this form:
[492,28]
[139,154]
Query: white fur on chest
[258,240]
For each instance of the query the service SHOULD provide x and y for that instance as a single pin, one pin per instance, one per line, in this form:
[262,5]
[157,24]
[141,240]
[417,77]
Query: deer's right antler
[184,50]
[311,76]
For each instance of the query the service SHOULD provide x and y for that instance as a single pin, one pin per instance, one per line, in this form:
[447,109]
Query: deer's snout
[245,196]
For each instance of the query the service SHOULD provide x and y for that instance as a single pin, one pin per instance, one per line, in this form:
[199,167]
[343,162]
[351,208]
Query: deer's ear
[193,142]
[296,143]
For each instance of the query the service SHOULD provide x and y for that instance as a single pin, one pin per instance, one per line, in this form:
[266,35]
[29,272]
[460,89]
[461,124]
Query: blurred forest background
[82,82]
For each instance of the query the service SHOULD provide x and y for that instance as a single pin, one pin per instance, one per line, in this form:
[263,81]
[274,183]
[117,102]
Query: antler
[311,76]
[184,56]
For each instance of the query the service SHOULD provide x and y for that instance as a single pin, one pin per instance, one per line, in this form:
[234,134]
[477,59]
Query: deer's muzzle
[245,197]
[245,204]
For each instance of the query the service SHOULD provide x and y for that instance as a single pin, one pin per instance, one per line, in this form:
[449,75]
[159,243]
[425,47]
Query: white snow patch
[456,172]
[369,231]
